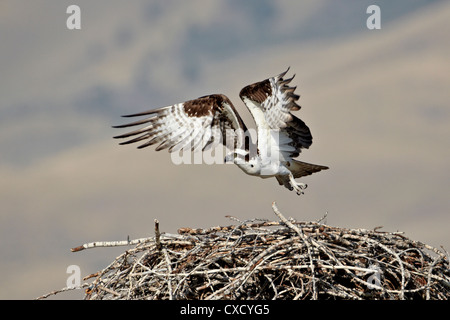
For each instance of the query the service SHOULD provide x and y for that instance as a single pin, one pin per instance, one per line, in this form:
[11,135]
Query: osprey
[200,122]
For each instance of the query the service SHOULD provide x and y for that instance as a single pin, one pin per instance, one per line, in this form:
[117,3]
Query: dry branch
[283,259]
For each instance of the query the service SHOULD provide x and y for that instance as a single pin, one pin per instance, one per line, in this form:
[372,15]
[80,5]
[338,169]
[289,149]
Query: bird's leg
[298,186]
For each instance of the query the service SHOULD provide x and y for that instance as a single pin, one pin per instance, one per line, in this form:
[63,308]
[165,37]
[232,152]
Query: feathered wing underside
[193,124]
[271,101]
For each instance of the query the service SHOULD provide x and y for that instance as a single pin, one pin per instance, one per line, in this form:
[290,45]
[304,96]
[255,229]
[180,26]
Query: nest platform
[282,259]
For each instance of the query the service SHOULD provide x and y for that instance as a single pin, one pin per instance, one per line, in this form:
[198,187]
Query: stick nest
[283,259]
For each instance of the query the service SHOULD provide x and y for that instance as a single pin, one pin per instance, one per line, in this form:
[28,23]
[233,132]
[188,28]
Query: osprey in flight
[197,123]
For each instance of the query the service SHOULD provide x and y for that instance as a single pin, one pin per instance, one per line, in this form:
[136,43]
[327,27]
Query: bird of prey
[196,124]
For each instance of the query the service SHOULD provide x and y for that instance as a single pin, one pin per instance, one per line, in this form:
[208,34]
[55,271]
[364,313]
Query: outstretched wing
[193,124]
[271,101]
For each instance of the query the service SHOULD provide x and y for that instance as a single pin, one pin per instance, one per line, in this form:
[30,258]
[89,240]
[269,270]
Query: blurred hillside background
[376,101]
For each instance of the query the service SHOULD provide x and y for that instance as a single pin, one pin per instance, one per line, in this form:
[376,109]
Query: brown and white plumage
[197,123]
[193,123]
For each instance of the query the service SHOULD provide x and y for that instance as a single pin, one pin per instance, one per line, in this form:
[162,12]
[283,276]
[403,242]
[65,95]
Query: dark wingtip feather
[281,75]
[135,123]
[141,113]
[119,126]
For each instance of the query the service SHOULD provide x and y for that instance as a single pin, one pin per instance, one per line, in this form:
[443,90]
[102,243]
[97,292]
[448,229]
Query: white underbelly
[273,168]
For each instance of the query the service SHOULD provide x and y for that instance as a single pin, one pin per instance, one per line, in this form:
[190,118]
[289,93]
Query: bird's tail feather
[301,169]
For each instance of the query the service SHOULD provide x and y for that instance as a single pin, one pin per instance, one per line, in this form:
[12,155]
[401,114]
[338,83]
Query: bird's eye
[251,165]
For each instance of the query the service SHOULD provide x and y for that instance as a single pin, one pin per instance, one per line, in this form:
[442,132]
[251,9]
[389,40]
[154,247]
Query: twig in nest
[157,236]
